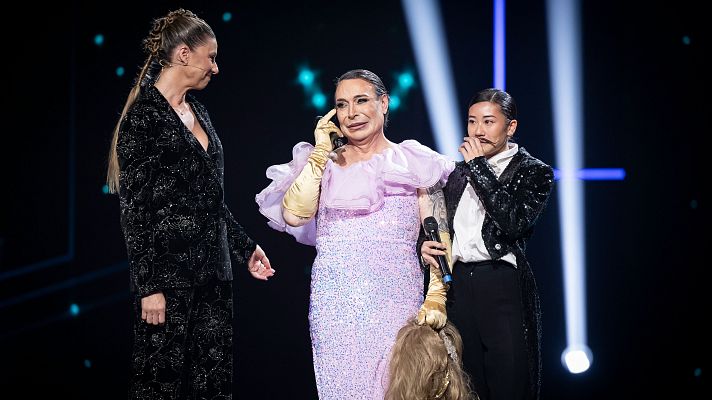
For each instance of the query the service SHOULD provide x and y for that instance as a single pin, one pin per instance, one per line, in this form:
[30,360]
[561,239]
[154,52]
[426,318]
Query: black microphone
[430,225]
[338,142]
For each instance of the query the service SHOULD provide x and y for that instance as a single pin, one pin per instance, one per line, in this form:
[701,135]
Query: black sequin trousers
[190,356]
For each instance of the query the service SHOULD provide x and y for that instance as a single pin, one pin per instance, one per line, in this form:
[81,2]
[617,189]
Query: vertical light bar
[566,89]
[499,44]
[428,41]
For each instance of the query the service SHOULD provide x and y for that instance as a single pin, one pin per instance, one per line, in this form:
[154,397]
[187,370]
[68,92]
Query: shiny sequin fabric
[366,278]
[366,282]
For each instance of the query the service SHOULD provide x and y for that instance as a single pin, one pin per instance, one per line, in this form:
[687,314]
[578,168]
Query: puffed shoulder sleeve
[269,200]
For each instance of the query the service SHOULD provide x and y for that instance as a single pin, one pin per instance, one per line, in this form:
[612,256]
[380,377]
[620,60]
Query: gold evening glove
[433,311]
[302,197]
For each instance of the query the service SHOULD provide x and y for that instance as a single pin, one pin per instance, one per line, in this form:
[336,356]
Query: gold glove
[445,237]
[433,311]
[302,197]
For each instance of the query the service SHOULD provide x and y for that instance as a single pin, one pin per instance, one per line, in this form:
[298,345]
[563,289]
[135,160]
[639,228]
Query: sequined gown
[366,279]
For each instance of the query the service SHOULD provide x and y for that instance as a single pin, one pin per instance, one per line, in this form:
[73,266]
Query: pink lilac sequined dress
[366,278]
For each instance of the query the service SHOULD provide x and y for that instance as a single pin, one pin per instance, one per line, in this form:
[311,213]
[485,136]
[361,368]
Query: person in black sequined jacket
[493,199]
[166,163]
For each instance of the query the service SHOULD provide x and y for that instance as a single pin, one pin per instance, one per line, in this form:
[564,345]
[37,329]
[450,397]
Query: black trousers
[484,304]
[190,356]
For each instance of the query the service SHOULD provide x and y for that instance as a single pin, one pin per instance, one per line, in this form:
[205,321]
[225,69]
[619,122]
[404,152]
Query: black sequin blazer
[178,230]
[513,203]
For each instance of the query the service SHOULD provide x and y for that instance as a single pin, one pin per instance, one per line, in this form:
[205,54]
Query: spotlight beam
[566,87]
[428,41]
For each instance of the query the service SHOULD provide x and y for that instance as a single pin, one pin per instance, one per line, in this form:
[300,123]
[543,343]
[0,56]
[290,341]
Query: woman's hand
[259,265]
[153,308]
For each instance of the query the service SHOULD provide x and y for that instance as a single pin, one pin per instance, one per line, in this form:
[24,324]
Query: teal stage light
[406,80]
[319,100]
[306,77]
[394,103]
[99,39]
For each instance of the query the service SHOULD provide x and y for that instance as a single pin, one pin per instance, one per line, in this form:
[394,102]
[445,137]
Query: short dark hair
[500,97]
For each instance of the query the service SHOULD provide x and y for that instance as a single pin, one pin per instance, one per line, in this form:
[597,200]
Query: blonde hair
[168,32]
[426,364]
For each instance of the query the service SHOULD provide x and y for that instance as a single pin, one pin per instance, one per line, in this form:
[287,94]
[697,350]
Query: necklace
[181,110]
[185,116]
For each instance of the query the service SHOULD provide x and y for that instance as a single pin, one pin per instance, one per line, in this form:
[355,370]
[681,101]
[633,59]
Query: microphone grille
[430,224]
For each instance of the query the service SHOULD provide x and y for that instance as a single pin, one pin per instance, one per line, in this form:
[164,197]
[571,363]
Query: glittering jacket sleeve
[241,246]
[139,166]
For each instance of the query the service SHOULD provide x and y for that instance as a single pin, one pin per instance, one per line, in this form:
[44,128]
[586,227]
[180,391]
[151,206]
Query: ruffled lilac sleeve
[269,199]
[399,170]
[412,163]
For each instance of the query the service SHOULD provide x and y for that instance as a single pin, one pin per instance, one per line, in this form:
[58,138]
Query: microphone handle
[442,261]
[445,269]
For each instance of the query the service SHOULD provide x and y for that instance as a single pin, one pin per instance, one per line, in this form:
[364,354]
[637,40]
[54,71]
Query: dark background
[645,97]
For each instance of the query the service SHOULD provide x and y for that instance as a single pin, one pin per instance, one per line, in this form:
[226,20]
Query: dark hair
[168,32]
[369,77]
[503,99]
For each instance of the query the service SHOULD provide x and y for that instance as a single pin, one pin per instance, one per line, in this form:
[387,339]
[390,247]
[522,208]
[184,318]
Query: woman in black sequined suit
[493,200]
[166,163]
